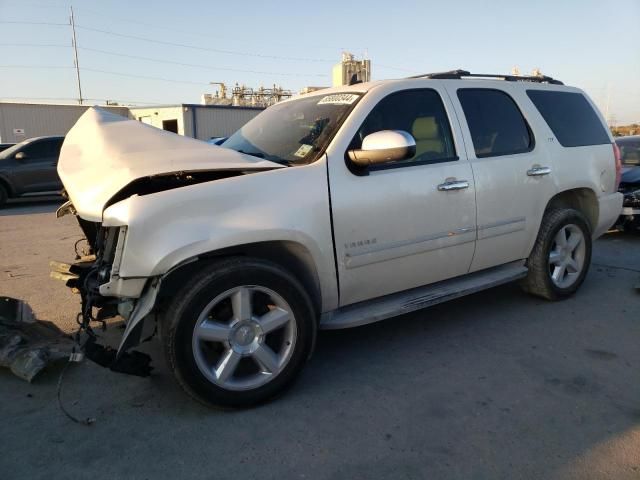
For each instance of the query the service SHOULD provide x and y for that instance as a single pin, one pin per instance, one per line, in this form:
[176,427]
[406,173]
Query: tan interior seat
[426,132]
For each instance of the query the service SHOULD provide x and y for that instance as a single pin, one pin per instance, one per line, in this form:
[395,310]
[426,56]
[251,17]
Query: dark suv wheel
[3,195]
[561,256]
[239,332]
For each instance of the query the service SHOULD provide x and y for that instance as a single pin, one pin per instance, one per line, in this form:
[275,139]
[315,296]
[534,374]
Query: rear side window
[570,117]
[496,124]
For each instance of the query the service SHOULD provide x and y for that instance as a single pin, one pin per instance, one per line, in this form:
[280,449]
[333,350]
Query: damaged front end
[109,166]
[93,276]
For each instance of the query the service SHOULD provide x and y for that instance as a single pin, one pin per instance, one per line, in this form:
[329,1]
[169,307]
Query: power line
[378,65]
[75,100]
[92,12]
[206,49]
[21,22]
[142,76]
[46,67]
[20,45]
[208,67]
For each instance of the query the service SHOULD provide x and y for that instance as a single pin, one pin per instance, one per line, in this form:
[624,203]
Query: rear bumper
[610,207]
[630,211]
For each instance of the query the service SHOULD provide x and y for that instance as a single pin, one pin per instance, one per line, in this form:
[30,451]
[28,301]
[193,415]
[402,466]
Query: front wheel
[239,333]
[561,256]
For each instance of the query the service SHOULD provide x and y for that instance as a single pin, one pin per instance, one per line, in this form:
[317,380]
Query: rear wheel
[561,256]
[3,195]
[239,333]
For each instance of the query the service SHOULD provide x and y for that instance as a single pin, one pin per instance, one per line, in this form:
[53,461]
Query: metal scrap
[28,345]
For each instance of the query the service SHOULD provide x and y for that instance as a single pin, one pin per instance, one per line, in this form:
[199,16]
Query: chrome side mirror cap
[384,146]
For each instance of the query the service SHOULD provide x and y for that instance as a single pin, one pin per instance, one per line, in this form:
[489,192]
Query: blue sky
[587,43]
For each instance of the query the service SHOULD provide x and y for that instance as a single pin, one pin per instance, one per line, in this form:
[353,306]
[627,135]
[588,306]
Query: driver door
[397,226]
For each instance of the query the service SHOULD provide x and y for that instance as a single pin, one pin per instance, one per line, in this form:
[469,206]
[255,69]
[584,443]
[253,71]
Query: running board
[407,301]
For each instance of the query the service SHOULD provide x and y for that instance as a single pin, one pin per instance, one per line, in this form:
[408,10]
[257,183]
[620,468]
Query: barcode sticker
[338,99]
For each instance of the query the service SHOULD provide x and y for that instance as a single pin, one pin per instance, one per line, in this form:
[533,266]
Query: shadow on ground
[31,205]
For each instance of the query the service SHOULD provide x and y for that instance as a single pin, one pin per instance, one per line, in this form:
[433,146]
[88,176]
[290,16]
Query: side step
[415,299]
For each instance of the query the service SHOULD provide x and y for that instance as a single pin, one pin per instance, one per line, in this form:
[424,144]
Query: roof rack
[458,74]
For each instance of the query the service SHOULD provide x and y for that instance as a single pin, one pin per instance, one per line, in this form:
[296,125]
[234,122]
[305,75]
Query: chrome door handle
[453,185]
[538,171]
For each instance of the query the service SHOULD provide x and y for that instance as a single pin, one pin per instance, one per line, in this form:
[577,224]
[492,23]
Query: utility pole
[75,54]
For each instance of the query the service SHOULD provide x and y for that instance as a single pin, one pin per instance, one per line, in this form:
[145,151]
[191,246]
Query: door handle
[453,185]
[538,171]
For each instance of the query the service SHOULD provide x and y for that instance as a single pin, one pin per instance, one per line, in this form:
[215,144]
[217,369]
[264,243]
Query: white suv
[335,209]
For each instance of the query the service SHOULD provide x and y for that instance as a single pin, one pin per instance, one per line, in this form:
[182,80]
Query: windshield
[295,132]
[630,152]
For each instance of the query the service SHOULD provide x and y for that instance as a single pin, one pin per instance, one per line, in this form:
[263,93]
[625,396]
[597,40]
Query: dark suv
[630,182]
[30,167]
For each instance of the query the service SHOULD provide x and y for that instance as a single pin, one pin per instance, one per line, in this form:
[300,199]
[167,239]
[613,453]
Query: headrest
[425,128]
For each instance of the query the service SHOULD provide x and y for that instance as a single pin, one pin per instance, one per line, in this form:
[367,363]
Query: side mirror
[384,146]
[20,156]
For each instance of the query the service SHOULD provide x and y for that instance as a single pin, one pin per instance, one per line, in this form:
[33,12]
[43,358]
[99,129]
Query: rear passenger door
[512,171]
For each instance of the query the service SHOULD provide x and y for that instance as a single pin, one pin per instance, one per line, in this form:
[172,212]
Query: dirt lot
[495,385]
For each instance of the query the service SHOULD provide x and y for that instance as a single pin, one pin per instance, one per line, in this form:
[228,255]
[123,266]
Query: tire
[224,350]
[547,278]
[3,195]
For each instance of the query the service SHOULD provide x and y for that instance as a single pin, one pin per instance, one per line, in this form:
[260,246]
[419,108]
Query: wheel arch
[7,186]
[292,256]
[582,199]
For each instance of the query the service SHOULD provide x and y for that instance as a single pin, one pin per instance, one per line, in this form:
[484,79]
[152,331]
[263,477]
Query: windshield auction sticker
[303,150]
[338,99]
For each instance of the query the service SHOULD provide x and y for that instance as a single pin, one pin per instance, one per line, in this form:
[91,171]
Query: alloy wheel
[244,337]
[567,256]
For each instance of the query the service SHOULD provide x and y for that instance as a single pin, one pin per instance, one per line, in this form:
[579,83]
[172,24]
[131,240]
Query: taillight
[618,157]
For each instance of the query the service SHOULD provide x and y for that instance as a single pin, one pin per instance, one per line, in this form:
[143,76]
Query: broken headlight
[111,254]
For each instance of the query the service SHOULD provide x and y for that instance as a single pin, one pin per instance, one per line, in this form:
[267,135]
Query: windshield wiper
[253,154]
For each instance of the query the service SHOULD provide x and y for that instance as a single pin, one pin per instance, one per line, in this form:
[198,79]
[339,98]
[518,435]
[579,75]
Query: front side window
[496,124]
[38,151]
[295,132]
[418,112]
[570,117]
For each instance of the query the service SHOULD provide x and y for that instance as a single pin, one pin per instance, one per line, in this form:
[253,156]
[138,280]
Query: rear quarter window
[571,118]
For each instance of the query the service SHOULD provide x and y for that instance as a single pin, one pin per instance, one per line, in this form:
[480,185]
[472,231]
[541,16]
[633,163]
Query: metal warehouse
[19,121]
[198,121]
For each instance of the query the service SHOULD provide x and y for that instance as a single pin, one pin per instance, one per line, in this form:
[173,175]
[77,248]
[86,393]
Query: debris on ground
[28,345]
[130,363]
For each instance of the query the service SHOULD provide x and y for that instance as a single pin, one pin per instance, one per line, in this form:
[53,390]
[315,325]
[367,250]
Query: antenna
[75,55]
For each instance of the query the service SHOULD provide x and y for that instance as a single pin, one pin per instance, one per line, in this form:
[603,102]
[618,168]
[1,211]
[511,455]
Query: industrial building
[350,71]
[347,72]
[220,114]
[19,121]
[243,96]
[196,121]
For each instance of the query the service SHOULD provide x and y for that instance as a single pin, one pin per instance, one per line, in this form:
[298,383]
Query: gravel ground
[494,385]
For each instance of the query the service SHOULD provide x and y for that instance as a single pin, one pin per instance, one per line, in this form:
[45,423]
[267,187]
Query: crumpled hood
[104,152]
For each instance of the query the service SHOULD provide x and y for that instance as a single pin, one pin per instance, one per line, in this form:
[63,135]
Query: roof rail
[458,74]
